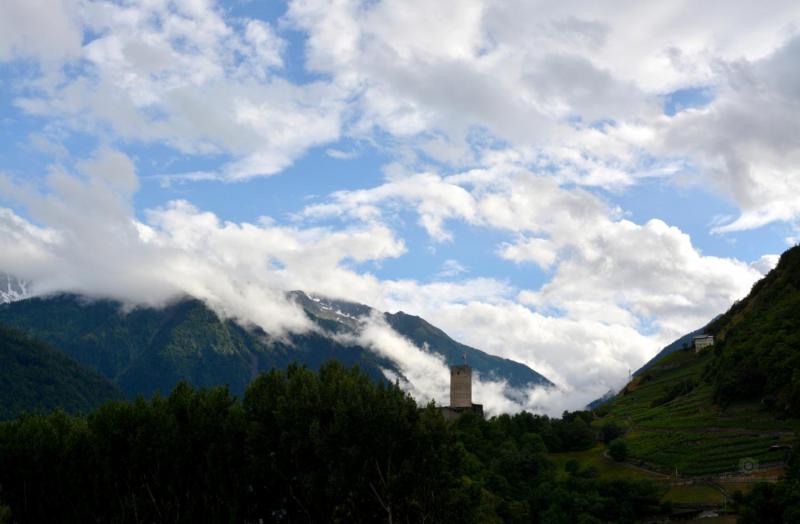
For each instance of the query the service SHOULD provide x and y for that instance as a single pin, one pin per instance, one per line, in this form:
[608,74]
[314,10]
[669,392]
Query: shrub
[618,450]
[611,431]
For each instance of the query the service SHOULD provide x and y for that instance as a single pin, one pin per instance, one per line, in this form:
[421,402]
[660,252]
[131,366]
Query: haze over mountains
[144,349]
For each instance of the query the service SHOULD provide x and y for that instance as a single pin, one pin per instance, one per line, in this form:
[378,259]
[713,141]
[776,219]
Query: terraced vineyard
[703,453]
[673,423]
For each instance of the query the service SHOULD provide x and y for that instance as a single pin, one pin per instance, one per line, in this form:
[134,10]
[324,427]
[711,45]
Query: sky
[572,185]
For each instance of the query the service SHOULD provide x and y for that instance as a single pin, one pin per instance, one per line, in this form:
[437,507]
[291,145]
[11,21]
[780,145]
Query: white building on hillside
[702,341]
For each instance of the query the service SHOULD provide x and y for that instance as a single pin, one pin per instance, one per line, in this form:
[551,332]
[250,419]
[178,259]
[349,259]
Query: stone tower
[461,386]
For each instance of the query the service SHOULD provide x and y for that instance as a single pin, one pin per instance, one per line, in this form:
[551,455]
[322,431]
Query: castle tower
[461,386]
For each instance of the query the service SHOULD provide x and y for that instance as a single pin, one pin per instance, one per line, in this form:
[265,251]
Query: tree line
[303,446]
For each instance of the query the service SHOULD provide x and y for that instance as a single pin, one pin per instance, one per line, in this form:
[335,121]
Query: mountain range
[145,350]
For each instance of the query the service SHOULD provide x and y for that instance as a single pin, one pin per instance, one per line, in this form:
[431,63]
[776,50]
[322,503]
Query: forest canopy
[327,446]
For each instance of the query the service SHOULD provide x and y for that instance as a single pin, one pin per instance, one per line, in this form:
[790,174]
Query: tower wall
[460,386]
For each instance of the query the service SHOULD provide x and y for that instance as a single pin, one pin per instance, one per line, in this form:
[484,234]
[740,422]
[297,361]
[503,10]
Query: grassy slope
[691,433]
[693,494]
[606,467]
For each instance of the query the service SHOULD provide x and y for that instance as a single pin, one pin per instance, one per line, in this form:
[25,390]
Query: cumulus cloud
[182,74]
[766,263]
[569,87]
[612,279]
[537,75]
[47,30]
[541,251]
[644,275]
[745,142]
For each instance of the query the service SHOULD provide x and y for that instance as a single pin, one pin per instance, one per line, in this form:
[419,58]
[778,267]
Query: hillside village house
[702,341]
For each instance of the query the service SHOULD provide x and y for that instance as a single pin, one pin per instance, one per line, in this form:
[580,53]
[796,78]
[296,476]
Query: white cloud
[569,86]
[584,358]
[745,142]
[338,154]
[451,268]
[427,377]
[534,74]
[766,263]
[112,167]
[435,199]
[47,30]
[636,275]
[541,251]
[164,72]
[612,279]
[92,244]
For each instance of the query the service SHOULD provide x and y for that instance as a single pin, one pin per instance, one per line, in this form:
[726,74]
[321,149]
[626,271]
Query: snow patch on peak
[13,289]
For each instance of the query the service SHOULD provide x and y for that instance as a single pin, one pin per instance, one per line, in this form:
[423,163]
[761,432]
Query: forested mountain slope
[145,350]
[37,377]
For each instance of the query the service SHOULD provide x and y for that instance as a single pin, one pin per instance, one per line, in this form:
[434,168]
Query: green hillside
[709,425]
[674,424]
[37,377]
[757,356]
[681,343]
[706,413]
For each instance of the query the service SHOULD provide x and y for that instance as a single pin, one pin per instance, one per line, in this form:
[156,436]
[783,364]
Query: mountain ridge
[422,333]
[144,350]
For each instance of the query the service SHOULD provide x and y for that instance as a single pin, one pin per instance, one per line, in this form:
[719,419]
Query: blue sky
[537,180]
